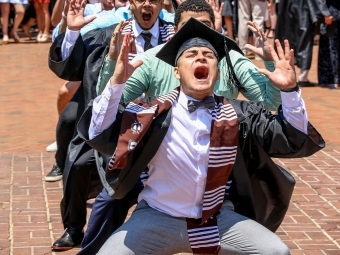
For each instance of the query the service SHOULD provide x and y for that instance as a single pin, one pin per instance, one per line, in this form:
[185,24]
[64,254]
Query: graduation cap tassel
[232,81]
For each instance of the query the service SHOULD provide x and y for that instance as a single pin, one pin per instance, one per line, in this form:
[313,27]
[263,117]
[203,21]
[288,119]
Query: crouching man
[212,186]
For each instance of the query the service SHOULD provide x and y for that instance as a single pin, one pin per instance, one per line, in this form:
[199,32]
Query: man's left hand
[217,9]
[261,48]
[124,68]
[284,76]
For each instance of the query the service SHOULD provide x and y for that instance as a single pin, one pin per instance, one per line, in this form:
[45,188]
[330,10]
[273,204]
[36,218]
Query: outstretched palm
[124,68]
[284,76]
[262,46]
[75,15]
[217,9]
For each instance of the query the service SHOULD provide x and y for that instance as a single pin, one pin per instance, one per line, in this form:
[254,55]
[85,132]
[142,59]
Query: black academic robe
[263,188]
[296,23]
[83,64]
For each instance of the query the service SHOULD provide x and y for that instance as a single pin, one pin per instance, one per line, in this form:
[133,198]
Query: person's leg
[4,18]
[303,76]
[258,14]
[47,20]
[64,134]
[244,11]
[73,204]
[273,19]
[19,15]
[229,25]
[77,189]
[107,216]
[40,21]
[241,235]
[66,92]
[27,27]
[334,47]
[148,231]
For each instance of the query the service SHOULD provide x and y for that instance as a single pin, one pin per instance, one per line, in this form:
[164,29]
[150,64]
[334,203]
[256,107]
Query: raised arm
[75,21]
[288,133]
[258,86]
[109,63]
[105,106]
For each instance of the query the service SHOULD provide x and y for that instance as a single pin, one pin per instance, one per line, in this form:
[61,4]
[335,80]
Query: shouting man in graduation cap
[212,186]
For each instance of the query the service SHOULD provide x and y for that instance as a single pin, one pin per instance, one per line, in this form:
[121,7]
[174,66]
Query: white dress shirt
[178,171]
[72,36]
[139,41]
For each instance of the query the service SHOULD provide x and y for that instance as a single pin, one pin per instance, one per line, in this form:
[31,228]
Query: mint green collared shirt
[155,77]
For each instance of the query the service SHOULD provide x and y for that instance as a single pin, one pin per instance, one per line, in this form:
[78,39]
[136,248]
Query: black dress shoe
[55,174]
[71,238]
[306,84]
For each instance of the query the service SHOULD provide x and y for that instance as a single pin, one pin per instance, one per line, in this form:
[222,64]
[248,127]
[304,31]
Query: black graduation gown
[263,188]
[296,23]
[83,64]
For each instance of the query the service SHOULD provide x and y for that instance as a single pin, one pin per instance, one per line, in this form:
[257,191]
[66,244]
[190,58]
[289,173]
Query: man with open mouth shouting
[212,187]
[79,58]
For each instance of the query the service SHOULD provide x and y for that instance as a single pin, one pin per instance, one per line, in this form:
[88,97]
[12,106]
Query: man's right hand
[75,15]
[116,41]
[124,68]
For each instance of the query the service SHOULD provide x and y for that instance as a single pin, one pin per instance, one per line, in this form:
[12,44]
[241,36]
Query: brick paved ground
[29,207]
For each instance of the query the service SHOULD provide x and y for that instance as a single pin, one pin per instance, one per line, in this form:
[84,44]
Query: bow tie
[208,103]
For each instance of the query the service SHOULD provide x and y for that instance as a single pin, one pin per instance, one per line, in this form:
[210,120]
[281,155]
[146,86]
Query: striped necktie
[147,40]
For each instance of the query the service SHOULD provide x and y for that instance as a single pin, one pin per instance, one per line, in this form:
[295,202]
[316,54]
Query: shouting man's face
[146,12]
[197,70]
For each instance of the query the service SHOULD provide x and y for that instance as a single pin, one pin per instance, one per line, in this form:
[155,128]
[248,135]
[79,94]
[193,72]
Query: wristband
[295,89]
[63,15]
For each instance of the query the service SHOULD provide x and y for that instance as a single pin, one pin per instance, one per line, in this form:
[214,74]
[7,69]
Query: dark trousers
[65,130]
[107,215]
[76,192]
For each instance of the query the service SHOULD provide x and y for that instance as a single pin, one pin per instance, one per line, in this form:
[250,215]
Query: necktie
[208,103]
[147,40]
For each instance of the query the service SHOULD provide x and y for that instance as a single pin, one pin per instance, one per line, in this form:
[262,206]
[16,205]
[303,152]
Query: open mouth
[201,72]
[146,16]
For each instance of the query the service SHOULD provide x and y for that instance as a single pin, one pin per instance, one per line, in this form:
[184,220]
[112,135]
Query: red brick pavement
[29,207]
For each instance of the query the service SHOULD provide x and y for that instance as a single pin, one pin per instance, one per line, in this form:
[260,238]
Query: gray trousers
[248,9]
[149,231]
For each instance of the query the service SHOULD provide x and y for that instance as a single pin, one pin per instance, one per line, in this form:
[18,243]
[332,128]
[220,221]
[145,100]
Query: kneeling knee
[277,248]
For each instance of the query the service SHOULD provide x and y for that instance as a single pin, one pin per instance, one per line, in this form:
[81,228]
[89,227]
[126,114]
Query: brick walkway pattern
[29,207]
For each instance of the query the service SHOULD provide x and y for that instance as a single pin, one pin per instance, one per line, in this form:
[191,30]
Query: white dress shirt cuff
[71,36]
[69,42]
[294,110]
[291,99]
[105,108]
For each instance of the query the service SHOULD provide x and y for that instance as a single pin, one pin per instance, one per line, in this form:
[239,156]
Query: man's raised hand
[117,40]
[217,8]
[284,76]
[75,15]
[124,68]
[261,48]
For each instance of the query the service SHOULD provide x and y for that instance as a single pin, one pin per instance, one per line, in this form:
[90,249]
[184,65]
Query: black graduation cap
[193,29]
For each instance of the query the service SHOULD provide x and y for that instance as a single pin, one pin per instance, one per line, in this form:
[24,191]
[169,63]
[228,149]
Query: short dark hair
[193,6]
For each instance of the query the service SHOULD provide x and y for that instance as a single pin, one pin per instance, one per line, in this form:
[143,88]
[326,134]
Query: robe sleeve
[273,133]
[106,141]
[318,10]
[72,68]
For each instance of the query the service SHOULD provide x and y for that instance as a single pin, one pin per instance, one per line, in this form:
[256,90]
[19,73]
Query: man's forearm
[105,108]
[68,43]
[294,110]
[105,74]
